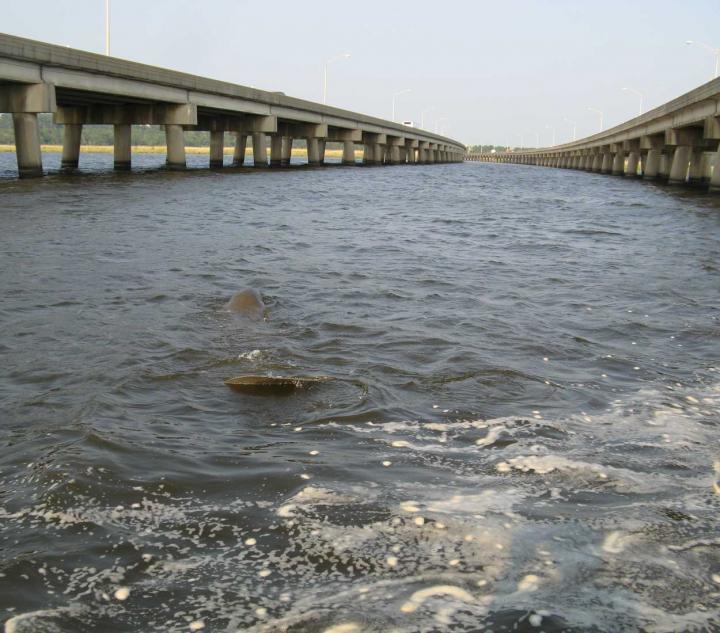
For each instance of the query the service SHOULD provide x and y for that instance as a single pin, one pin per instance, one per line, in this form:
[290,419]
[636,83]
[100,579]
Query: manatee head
[248,303]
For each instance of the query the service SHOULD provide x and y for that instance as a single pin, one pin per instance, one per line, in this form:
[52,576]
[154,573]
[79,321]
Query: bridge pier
[239,150]
[348,155]
[27,144]
[679,166]
[618,164]
[607,160]
[651,168]
[122,146]
[276,150]
[286,156]
[321,150]
[175,139]
[715,178]
[697,165]
[259,147]
[217,148]
[313,151]
[72,135]
[632,165]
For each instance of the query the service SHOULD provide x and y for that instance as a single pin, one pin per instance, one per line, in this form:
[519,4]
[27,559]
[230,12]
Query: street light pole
[327,63]
[639,94]
[107,27]
[601,116]
[397,94]
[574,124]
[550,127]
[713,50]
[422,116]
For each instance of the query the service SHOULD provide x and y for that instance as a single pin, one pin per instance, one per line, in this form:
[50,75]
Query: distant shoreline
[161,149]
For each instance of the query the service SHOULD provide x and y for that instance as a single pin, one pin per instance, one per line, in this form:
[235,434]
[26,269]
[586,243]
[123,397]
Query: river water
[521,433]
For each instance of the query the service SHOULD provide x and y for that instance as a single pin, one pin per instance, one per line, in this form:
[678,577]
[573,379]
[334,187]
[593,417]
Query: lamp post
[327,63]
[397,94]
[639,94]
[550,127]
[574,124]
[422,116]
[599,112]
[107,27]
[713,50]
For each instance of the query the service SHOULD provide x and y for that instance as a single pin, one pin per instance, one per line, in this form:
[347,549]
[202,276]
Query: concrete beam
[339,135]
[27,98]
[102,114]
[683,136]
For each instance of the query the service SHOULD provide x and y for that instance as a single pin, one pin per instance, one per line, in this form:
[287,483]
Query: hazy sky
[492,71]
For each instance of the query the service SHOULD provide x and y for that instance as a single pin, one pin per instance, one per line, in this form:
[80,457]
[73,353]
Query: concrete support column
[369,154]
[287,143]
[239,151]
[348,156]
[394,155]
[618,165]
[175,139]
[606,166]
[122,147]
[596,164]
[259,145]
[379,154]
[321,150]
[665,162]
[27,144]
[679,166]
[276,143]
[217,147]
[632,164]
[715,178]
[71,146]
[313,151]
[651,168]
[411,155]
[695,175]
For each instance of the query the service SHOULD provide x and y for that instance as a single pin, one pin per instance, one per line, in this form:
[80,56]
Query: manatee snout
[249,303]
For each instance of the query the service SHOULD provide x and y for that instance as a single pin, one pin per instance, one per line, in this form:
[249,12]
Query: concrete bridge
[676,143]
[84,88]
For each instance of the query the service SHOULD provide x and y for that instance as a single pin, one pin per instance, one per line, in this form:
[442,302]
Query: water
[521,434]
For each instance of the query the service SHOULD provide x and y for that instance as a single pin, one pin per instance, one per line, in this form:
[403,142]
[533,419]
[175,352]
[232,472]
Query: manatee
[247,302]
[273,384]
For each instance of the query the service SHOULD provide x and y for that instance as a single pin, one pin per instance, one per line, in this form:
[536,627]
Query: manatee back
[248,303]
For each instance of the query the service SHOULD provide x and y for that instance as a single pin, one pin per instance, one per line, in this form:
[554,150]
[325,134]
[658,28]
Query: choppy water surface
[522,434]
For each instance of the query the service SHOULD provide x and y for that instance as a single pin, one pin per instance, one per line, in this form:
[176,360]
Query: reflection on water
[521,433]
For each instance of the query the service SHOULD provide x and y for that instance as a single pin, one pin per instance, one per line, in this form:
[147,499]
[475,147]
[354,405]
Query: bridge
[81,88]
[676,143]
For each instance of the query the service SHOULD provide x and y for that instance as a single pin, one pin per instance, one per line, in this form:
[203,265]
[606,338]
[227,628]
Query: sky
[505,72]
